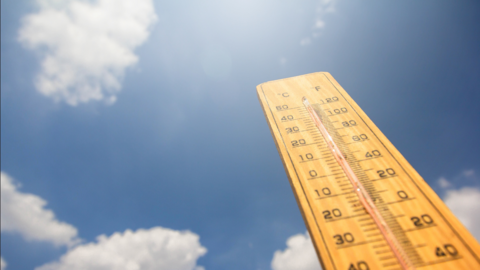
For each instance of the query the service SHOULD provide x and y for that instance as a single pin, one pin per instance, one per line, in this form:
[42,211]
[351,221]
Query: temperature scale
[364,205]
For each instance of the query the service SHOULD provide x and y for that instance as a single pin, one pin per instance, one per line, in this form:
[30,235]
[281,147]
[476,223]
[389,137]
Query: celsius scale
[364,205]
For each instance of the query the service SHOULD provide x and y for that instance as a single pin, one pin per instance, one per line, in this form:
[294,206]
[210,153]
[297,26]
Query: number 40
[361,265]
[447,250]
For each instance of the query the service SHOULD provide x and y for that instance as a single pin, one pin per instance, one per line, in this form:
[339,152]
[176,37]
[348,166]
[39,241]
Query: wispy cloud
[465,177]
[3,264]
[26,214]
[305,41]
[464,201]
[86,46]
[323,7]
[443,183]
[299,255]
[156,248]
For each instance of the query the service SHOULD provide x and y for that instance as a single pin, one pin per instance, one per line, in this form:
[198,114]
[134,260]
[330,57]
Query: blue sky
[127,115]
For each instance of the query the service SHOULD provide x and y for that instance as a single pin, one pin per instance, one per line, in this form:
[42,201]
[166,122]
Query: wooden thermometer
[364,205]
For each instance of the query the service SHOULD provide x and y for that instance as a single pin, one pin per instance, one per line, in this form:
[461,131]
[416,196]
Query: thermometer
[364,205]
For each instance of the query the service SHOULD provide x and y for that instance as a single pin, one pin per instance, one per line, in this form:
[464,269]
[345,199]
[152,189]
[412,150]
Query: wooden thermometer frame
[344,234]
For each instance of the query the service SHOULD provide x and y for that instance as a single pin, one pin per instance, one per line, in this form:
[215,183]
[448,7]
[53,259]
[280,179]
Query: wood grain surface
[343,233]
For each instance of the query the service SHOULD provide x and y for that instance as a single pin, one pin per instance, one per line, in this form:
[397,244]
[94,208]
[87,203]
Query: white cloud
[86,45]
[319,24]
[323,7]
[3,264]
[465,203]
[299,255]
[305,41]
[443,183]
[25,214]
[468,173]
[463,198]
[156,248]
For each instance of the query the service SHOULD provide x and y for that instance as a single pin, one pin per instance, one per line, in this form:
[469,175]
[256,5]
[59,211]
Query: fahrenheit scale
[364,205]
